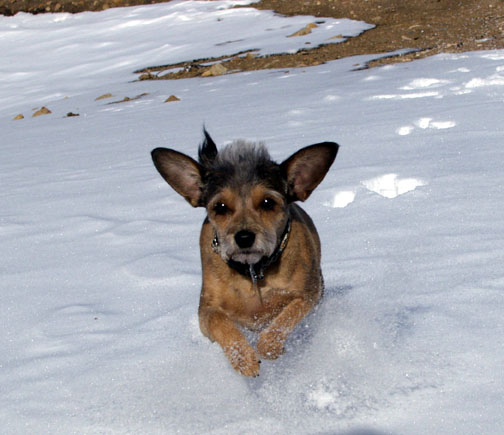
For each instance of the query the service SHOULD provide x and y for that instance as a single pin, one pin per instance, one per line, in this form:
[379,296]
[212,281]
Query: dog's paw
[270,344]
[244,359]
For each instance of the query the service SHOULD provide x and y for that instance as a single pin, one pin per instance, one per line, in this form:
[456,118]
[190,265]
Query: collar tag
[215,243]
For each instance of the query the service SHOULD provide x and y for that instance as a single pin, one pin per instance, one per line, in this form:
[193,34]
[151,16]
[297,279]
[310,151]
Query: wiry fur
[240,163]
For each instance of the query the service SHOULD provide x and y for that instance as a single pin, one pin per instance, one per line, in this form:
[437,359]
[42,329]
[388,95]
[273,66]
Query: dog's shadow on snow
[336,291]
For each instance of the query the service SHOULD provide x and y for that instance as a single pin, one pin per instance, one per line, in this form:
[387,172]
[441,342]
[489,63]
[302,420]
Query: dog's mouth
[247,256]
[229,250]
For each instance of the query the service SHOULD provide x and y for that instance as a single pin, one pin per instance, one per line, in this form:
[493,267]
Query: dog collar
[256,271]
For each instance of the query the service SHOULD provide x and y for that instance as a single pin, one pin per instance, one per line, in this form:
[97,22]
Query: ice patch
[405,96]
[423,122]
[296,112]
[493,80]
[441,125]
[493,56]
[424,83]
[330,98]
[461,91]
[404,131]
[390,186]
[341,199]
[426,122]
[372,78]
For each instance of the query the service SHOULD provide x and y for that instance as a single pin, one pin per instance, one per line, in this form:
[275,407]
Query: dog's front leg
[271,341]
[220,328]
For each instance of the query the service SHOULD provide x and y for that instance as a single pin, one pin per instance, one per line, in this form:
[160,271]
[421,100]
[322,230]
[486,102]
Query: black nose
[244,239]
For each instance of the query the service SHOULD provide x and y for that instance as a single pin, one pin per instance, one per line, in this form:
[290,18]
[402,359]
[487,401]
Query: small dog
[260,252]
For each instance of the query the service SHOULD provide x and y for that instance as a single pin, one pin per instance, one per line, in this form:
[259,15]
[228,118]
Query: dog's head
[246,194]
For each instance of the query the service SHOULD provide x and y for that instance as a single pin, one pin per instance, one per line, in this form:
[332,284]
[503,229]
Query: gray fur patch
[242,154]
[242,163]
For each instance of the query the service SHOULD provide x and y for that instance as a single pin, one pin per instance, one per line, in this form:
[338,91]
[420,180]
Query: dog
[260,251]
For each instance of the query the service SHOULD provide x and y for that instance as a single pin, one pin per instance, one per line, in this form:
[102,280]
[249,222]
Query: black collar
[256,271]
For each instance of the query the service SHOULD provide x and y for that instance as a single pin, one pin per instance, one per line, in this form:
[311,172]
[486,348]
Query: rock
[42,111]
[172,98]
[70,114]
[16,118]
[147,76]
[215,70]
[102,97]
[126,99]
[304,31]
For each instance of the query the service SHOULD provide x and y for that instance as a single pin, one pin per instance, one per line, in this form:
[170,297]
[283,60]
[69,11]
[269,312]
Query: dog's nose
[244,239]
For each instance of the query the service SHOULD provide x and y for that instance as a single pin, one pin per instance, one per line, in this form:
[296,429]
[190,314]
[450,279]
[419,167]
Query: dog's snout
[244,239]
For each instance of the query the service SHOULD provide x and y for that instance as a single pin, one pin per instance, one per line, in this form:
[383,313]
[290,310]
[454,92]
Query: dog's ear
[305,169]
[181,172]
[207,150]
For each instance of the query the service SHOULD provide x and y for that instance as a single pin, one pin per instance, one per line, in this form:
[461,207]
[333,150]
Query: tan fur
[289,291]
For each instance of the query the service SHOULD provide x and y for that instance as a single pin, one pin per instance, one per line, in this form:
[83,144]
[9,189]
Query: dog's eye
[268,204]
[220,208]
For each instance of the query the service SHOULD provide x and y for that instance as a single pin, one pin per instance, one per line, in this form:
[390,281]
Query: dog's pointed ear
[207,150]
[181,172]
[306,168]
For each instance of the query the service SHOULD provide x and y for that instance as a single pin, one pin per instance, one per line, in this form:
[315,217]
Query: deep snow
[100,270]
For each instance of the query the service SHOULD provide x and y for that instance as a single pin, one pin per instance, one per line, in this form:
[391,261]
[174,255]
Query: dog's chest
[253,306]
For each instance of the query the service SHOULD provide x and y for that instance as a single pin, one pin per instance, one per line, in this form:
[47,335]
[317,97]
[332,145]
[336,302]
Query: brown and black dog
[260,252]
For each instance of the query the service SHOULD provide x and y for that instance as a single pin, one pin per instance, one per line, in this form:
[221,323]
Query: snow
[76,52]
[390,186]
[100,273]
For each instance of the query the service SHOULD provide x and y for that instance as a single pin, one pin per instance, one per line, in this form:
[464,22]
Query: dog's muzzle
[245,240]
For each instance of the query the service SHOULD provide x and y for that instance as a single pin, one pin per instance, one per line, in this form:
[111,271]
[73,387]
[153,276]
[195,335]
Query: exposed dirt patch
[428,27]
[12,7]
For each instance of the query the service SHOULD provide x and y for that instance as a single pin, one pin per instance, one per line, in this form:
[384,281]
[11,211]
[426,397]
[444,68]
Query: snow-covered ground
[99,270]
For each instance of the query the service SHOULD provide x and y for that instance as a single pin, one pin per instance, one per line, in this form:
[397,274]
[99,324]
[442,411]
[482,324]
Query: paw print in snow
[425,123]
[390,185]
[387,185]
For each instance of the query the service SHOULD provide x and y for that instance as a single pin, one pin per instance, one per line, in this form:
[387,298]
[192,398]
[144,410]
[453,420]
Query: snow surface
[100,273]
[58,55]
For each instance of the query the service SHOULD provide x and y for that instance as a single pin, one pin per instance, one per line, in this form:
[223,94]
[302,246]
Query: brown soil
[12,7]
[428,27]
